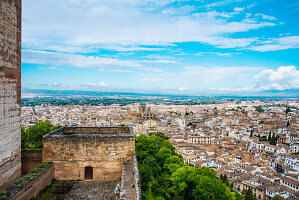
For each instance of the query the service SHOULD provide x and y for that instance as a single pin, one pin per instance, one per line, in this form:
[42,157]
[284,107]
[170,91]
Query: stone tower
[10,91]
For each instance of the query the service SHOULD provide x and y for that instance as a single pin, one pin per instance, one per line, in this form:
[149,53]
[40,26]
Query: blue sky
[161,46]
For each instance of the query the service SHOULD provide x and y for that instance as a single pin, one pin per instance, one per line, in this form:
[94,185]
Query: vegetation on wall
[22,182]
[165,176]
[32,137]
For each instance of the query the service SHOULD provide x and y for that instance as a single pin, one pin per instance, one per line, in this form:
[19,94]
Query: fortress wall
[30,189]
[10,91]
[31,158]
[71,155]
[102,130]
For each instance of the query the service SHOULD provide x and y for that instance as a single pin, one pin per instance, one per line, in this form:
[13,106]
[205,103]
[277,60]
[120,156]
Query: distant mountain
[86,93]
[288,92]
[265,93]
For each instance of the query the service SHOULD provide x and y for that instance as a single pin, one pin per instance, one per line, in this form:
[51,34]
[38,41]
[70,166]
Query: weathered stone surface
[32,188]
[10,91]
[127,182]
[104,151]
[92,190]
[31,158]
[137,179]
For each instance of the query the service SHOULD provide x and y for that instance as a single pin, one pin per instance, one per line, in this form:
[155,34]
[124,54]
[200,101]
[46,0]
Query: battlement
[91,132]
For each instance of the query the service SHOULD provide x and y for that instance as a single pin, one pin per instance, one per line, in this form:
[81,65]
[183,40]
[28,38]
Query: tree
[269,137]
[206,171]
[159,134]
[165,176]
[145,173]
[259,108]
[184,181]
[288,110]
[225,180]
[154,167]
[277,197]
[238,196]
[211,188]
[274,140]
[173,163]
[145,146]
[163,154]
[32,137]
[222,177]
[248,195]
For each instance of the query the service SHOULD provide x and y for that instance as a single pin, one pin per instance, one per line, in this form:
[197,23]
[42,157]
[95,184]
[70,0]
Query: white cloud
[214,53]
[131,22]
[155,58]
[230,42]
[237,9]
[100,84]
[183,89]
[204,77]
[285,77]
[159,57]
[121,48]
[52,84]
[275,44]
[52,68]
[222,3]
[244,89]
[226,79]
[74,60]
[178,10]
[268,17]
[159,61]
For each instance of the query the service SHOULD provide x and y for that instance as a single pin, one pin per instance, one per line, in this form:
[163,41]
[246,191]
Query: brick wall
[10,91]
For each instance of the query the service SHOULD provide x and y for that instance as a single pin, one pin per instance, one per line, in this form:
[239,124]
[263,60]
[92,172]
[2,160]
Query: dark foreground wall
[27,187]
[10,91]
[31,158]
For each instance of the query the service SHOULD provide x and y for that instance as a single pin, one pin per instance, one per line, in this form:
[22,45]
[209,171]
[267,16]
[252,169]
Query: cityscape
[254,143]
[149,100]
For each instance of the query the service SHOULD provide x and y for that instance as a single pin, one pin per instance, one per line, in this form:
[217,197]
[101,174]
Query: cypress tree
[269,136]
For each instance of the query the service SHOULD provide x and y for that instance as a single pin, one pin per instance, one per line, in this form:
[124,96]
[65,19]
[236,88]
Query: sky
[161,46]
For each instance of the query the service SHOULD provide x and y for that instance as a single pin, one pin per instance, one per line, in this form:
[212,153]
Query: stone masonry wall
[31,158]
[10,91]
[71,155]
[102,130]
[32,188]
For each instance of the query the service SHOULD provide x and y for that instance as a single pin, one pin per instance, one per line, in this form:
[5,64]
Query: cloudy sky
[161,46]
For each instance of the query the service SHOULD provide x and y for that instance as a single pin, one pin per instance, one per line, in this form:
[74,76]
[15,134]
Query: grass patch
[32,175]
[22,182]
